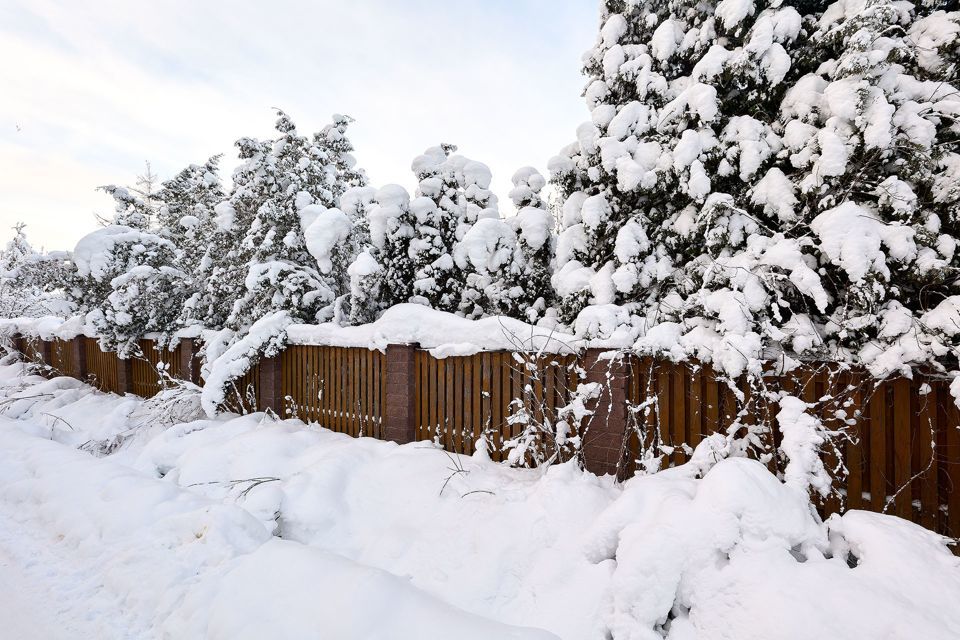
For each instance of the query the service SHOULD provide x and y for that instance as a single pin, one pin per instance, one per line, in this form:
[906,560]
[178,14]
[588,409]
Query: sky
[93,89]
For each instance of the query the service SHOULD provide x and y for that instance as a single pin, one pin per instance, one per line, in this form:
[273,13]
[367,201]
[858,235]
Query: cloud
[99,89]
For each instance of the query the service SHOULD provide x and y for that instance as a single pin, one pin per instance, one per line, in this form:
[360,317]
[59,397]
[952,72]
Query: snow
[93,255]
[330,228]
[852,237]
[262,339]
[168,536]
[443,334]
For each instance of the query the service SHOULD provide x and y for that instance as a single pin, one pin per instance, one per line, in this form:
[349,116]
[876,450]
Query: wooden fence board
[926,464]
[878,448]
[901,447]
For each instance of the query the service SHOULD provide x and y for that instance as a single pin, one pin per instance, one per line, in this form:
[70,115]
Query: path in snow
[46,596]
[25,608]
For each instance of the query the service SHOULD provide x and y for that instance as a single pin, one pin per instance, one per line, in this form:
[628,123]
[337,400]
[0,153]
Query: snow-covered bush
[32,283]
[549,436]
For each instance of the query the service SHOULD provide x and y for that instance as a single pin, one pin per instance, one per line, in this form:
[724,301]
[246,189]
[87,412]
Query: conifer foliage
[766,175]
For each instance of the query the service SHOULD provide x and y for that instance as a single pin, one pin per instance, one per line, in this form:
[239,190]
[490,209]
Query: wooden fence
[102,367]
[458,399]
[338,387]
[902,454]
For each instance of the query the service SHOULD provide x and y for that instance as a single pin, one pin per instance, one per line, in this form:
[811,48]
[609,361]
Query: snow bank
[183,566]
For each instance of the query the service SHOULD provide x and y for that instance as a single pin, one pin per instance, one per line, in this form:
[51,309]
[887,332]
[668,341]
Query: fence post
[187,369]
[17,342]
[124,374]
[604,444]
[270,395]
[78,351]
[398,418]
[46,351]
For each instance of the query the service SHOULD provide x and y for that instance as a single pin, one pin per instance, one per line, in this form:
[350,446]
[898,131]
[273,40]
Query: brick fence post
[269,393]
[398,419]
[45,351]
[78,352]
[124,374]
[187,368]
[604,443]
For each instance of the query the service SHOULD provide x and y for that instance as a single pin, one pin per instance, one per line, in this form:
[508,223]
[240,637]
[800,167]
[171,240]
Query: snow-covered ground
[115,523]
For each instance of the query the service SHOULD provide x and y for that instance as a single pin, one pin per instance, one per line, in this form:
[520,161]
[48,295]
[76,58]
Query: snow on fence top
[46,328]
[443,334]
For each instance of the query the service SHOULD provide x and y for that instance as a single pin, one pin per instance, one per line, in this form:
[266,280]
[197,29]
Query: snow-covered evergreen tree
[382,275]
[126,286]
[530,276]
[453,193]
[18,297]
[336,238]
[225,268]
[187,217]
[130,210]
[721,136]
[768,180]
[282,274]
[487,255]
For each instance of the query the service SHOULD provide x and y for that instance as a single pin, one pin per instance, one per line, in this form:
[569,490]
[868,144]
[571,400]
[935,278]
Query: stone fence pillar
[270,394]
[398,414]
[188,366]
[605,438]
[78,353]
[124,374]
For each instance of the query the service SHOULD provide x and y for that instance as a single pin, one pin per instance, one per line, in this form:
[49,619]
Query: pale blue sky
[96,88]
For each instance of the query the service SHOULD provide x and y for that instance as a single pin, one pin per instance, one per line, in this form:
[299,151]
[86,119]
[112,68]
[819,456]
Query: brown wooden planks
[926,447]
[878,448]
[901,447]
[854,448]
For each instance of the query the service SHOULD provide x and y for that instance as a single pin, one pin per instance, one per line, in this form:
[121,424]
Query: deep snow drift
[250,527]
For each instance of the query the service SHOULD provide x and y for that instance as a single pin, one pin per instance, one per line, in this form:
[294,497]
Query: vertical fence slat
[854,448]
[878,448]
[678,412]
[477,365]
[951,466]
[926,437]
[496,399]
[901,447]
